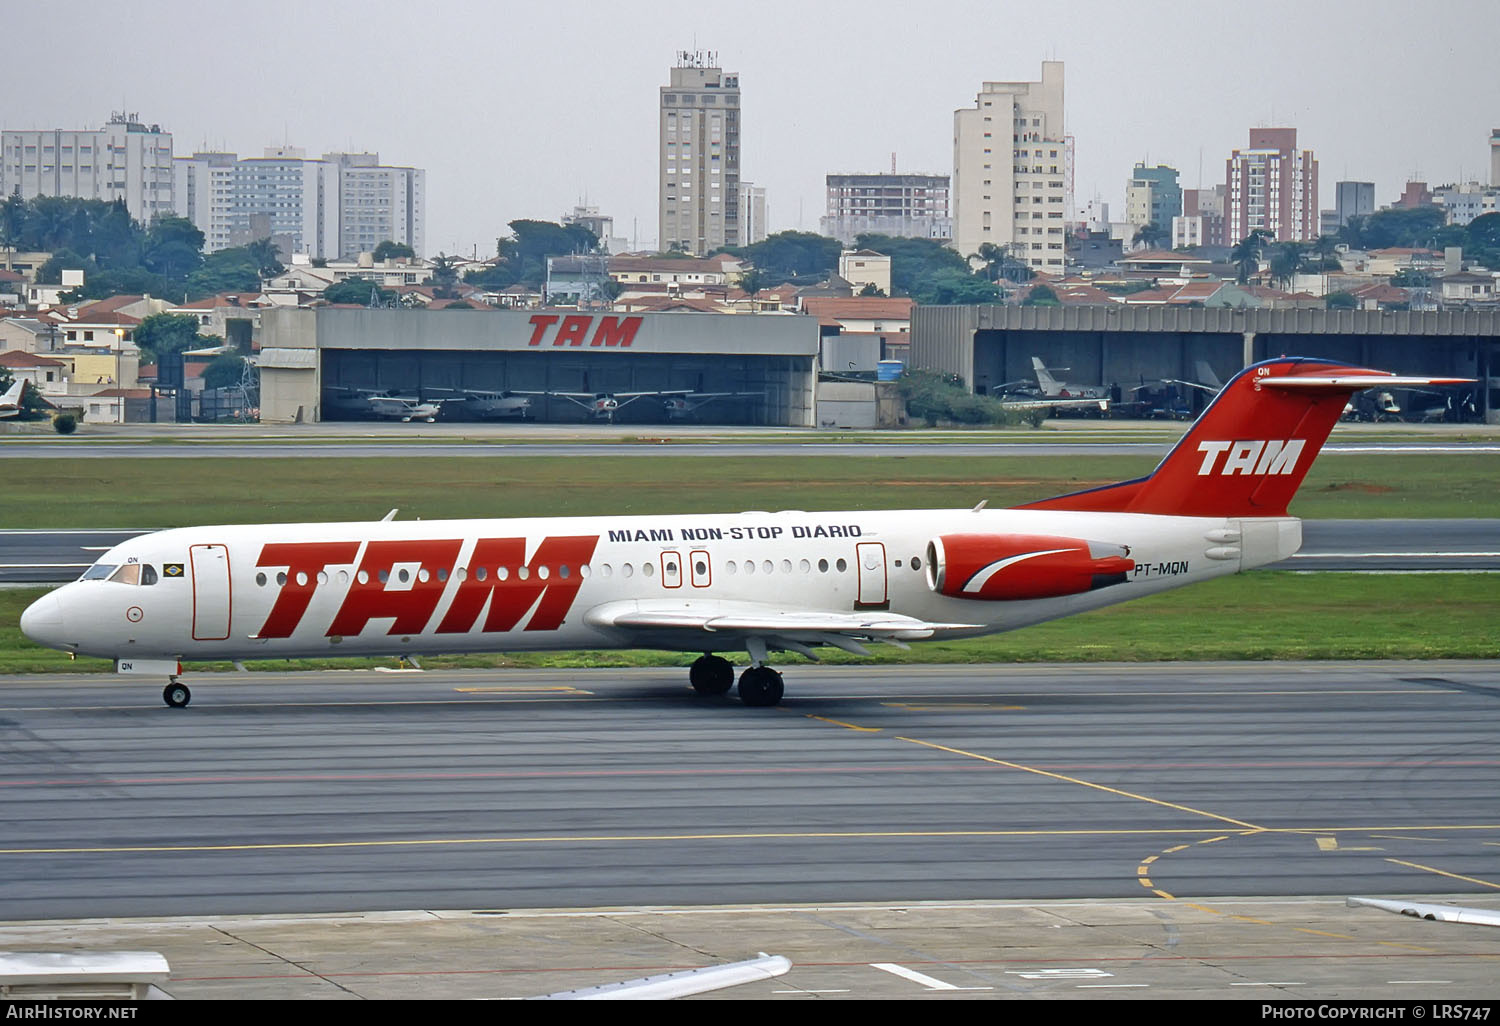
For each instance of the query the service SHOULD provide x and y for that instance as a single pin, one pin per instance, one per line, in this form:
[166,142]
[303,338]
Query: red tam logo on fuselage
[574,329]
[405,581]
[1250,457]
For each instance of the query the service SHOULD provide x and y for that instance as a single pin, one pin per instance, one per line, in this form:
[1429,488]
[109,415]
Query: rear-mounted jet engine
[1022,566]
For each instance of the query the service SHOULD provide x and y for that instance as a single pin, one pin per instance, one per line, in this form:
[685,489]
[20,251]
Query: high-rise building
[699,193]
[378,204]
[202,189]
[906,206]
[284,193]
[342,205]
[1273,186]
[752,213]
[1495,157]
[125,160]
[1353,199]
[1016,198]
[1152,196]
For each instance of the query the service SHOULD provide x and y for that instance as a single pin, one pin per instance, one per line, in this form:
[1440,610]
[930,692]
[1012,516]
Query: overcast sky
[522,110]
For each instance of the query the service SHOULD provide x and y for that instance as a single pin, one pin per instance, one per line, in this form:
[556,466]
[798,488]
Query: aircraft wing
[1211,390]
[651,395]
[1056,404]
[584,399]
[740,619]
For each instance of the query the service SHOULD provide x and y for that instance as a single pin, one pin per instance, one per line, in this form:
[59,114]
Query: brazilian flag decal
[172,570]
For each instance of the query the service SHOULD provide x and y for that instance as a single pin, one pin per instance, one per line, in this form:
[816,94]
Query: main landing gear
[714,675]
[176,694]
[711,675]
[760,686]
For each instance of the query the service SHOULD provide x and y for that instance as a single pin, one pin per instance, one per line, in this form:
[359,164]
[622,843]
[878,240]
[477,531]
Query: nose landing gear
[176,694]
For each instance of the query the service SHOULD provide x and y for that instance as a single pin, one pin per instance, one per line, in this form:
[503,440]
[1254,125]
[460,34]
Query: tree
[445,276]
[991,257]
[1150,234]
[791,255]
[532,242]
[228,270]
[1409,227]
[391,250]
[871,289]
[752,281]
[1482,240]
[160,334]
[1286,261]
[12,219]
[357,291]
[1245,254]
[1340,301]
[1041,295]
[913,259]
[173,248]
[225,371]
[266,258]
[949,287]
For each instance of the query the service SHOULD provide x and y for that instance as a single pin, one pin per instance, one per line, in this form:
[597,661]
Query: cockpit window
[148,573]
[98,571]
[130,573]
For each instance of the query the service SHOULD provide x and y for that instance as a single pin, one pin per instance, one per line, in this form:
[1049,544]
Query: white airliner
[10,402]
[745,582]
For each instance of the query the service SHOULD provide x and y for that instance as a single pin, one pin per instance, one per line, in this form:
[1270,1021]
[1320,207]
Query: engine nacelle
[1022,566]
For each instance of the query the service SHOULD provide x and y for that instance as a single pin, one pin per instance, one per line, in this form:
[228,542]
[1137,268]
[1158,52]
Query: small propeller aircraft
[377,404]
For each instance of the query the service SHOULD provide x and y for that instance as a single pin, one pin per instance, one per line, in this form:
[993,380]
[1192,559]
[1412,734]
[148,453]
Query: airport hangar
[988,346]
[304,351]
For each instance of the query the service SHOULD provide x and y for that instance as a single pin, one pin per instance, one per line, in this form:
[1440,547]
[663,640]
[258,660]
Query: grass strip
[1267,614]
[153,493]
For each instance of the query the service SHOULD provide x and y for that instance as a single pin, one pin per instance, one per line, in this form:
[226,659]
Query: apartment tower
[699,192]
[125,160]
[1273,186]
[1016,198]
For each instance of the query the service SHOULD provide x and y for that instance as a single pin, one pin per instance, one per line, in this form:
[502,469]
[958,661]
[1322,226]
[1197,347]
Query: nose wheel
[176,695]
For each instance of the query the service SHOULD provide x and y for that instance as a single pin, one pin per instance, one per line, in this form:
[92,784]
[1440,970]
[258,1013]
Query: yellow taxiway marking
[1080,782]
[1328,844]
[1164,895]
[846,726]
[1441,872]
[1322,933]
[523,689]
[857,835]
[945,706]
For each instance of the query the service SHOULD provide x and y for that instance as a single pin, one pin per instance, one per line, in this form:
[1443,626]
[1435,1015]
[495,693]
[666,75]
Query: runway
[53,557]
[337,449]
[1148,793]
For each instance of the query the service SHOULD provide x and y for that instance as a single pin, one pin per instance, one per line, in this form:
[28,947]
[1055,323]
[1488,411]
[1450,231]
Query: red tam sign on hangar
[574,329]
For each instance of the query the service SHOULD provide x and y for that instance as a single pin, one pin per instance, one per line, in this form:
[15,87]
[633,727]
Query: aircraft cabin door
[211,602]
[870,557]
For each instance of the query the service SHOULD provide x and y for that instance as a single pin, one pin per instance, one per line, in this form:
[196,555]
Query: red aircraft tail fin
[1249,451]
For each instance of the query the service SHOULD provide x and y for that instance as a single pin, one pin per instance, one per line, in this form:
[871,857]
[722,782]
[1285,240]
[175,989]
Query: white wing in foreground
[749,619]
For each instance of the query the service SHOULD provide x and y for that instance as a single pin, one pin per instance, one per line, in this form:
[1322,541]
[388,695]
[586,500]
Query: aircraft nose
[43,623]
